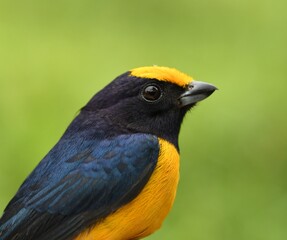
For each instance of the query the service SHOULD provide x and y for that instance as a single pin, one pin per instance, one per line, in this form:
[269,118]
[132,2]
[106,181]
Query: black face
[136,105]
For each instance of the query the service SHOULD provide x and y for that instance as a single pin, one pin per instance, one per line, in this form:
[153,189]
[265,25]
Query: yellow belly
[145,214]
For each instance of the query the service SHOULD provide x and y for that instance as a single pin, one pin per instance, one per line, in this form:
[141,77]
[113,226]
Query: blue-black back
[83,179]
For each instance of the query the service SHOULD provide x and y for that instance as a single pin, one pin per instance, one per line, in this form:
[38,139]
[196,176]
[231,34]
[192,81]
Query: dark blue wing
[78,184]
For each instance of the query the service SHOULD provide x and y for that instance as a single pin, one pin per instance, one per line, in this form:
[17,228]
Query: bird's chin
[188,107]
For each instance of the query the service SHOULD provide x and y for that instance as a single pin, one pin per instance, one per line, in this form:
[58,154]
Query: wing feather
[65,195]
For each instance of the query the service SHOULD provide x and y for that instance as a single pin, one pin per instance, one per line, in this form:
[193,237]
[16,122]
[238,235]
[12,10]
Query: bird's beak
[196,91]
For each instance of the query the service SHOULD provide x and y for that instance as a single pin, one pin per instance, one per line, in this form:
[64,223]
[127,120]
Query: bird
[114,173]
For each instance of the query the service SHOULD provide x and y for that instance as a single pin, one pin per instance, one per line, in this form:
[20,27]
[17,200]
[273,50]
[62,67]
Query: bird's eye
[151,93]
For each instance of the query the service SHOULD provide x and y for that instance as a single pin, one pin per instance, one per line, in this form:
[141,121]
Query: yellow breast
[145,214]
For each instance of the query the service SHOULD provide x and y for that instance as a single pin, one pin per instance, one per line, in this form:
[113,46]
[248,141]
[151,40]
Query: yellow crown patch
[167,74]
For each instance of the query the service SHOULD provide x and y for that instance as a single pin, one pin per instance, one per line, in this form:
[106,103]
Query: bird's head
[148,100]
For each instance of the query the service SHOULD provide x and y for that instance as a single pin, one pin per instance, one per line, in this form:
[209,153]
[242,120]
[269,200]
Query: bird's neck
[101,125]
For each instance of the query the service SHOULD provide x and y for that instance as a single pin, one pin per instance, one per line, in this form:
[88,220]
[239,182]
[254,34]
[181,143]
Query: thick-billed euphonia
[113,175]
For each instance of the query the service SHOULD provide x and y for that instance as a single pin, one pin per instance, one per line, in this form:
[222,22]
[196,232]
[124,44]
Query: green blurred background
[54,55]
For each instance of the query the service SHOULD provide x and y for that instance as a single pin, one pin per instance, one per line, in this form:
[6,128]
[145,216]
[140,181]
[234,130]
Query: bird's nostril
[191,86]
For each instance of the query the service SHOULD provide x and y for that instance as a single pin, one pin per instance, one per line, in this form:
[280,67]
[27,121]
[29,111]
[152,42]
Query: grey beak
[196,91]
